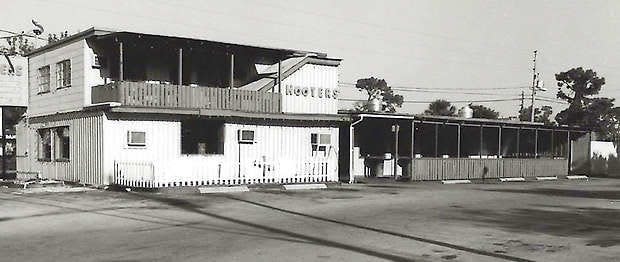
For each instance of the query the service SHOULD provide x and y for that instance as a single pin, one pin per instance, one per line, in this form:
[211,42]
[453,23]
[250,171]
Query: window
[44,79]
[246,136]
[321,144]
[61,143]
[63,74]
[136,138]
[202,137]
[45,145]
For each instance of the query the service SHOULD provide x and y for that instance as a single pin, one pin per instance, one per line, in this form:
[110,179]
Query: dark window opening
[490,142]
[545,144]
[202,137]
[447,145]
[560,144]
[470,141]
[509,148]
[527,143]
[424,140]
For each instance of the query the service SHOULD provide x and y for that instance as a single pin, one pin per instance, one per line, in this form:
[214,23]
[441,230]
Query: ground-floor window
[202,137]
[53,142]
[44,152]
[321,144]
[61,143]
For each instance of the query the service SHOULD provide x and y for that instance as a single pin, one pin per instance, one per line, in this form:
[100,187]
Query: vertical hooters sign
[316,92]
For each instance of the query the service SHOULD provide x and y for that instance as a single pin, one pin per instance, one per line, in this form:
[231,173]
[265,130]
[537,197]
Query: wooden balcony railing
[141,94]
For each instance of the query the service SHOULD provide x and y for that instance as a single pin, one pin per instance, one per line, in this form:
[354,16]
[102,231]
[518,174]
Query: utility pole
[522,100]
[534,76]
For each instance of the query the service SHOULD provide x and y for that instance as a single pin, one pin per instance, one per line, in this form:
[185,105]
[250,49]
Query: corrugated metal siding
[58,100]
[464,168]
[311,75]
[286,147]
[86,156]
[281,154]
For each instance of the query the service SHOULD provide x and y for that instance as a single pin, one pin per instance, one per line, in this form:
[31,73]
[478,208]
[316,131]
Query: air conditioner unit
[245,136]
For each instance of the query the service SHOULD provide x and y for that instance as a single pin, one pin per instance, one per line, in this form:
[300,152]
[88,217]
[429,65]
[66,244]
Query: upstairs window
[136,138]
[63,74]
[321,144]
[43,76]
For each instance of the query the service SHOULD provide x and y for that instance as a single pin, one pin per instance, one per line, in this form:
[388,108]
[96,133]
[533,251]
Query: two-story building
[152,111]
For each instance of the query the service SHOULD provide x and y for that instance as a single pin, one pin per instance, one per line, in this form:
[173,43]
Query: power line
[401,87]
[430,101]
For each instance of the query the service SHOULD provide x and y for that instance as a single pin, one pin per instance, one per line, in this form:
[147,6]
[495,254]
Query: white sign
[13,81]
[318,92]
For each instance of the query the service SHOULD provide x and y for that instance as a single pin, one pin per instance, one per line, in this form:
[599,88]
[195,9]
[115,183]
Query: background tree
[440,107]
[578,86]
[16,45]
[541,114]
[480,111]
[377,88]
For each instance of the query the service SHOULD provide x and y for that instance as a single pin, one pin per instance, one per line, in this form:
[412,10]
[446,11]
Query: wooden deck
[141,94]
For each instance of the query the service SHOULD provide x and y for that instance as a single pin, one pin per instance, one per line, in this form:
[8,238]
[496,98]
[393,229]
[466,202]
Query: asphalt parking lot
[533,221]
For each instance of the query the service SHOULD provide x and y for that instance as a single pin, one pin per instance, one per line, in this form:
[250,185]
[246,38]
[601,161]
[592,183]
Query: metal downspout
[351,146]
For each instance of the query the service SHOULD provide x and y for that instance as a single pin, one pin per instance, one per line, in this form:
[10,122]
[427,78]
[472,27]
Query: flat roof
[106,32]
[455,119]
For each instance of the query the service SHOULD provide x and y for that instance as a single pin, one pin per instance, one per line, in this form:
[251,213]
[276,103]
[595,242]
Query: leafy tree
[480,111]
[578,86]
[16,45]
[541,114]
[378,89]
[440,107]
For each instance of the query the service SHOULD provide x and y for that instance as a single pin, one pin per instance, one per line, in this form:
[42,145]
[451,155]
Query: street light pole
[534,77]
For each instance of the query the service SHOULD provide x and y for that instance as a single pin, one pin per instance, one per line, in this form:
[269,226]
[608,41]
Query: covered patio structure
[422,147]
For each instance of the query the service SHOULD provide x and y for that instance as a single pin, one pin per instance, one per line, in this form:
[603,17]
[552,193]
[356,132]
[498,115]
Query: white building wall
[83,77]
[279,152]
[314,77]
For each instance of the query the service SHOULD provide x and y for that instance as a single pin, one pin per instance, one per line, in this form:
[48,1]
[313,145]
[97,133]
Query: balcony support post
[120,63]
[180,66]
[232,71]
[280,76]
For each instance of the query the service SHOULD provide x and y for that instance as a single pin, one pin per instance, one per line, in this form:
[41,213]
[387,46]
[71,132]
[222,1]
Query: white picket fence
[198,171]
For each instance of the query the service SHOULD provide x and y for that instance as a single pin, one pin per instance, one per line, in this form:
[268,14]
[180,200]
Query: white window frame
[318,146]
[133,144]
[63,74]
[243,141]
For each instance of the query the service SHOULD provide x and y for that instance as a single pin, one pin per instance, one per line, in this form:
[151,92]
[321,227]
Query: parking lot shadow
[382,231]
[600,226]
[600,194]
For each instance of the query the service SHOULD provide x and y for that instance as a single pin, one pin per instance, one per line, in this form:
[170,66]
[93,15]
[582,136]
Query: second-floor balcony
[144,94]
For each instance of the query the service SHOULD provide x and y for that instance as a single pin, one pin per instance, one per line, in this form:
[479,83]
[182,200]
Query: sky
[466,50]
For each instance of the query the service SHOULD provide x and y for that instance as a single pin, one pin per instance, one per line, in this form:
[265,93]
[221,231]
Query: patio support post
[180,66]
[120,63]
[458,141]
[499,141]
[552,143]
[412,154]
[396,129]
[535,142]
[481,144]
[436,138]
[232,71]
[518,142]
[569,154]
